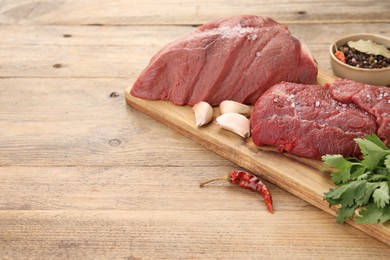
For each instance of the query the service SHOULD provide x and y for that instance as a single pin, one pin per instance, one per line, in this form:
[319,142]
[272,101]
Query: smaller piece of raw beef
[373,99]
[235,58]
[307,120]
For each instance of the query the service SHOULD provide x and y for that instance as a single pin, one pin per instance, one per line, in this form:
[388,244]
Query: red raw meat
[235,58]
[373,99]
[312,120]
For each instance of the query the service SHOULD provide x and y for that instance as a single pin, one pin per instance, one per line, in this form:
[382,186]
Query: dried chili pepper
[340,56]
[249,181]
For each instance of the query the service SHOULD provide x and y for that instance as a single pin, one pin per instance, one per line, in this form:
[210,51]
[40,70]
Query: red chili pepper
[249,181]
[340,56]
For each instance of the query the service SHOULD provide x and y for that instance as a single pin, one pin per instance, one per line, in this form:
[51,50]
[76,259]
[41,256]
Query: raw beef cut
[375,100]
[235,58]
[312,120]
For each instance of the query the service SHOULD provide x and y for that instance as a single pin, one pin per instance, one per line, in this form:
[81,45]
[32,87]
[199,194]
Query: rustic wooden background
[83,175]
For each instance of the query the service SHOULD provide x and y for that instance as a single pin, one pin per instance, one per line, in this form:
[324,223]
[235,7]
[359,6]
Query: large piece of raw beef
[312,120]
[235,58]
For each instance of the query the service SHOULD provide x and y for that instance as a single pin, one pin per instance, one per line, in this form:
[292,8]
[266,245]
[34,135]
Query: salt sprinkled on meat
[252,37]
[290,98]
[236,31]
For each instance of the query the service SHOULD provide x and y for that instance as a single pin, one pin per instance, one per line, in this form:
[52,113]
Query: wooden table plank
[141,12]
[132,188]
[180,234]
[153,36]
[76,122]
[49,54]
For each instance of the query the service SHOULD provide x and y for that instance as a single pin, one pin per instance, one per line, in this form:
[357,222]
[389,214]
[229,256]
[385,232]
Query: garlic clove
[235,123]
[203,113]
[230,106]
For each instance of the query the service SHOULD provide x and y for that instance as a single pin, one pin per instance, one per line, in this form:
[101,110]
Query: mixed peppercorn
[359,59]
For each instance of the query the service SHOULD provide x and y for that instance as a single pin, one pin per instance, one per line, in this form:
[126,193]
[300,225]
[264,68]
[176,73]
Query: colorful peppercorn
[363,60]
[340,56]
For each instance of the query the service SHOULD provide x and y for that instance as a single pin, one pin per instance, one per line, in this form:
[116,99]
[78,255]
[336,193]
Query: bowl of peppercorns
[362,57]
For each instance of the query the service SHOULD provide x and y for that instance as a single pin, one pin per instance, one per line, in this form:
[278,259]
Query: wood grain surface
[147,12]
[84,176]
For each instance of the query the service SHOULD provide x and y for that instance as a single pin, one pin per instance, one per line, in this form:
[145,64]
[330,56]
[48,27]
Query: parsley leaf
[373,151]
[373,215]
[373,138]
[387,162]
[343,166]
[345,213]
[359,173]
[348,194]
[370,188]
[362,185]
[381,196]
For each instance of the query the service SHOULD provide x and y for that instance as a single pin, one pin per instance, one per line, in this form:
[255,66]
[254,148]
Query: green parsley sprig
[362,184]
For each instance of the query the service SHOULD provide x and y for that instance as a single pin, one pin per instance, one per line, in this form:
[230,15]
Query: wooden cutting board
[299,176]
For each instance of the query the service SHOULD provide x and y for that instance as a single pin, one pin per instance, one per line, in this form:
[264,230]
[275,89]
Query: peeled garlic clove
[203,113]
[230,106]
[235,123]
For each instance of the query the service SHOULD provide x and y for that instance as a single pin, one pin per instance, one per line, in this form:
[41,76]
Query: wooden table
[84,176]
